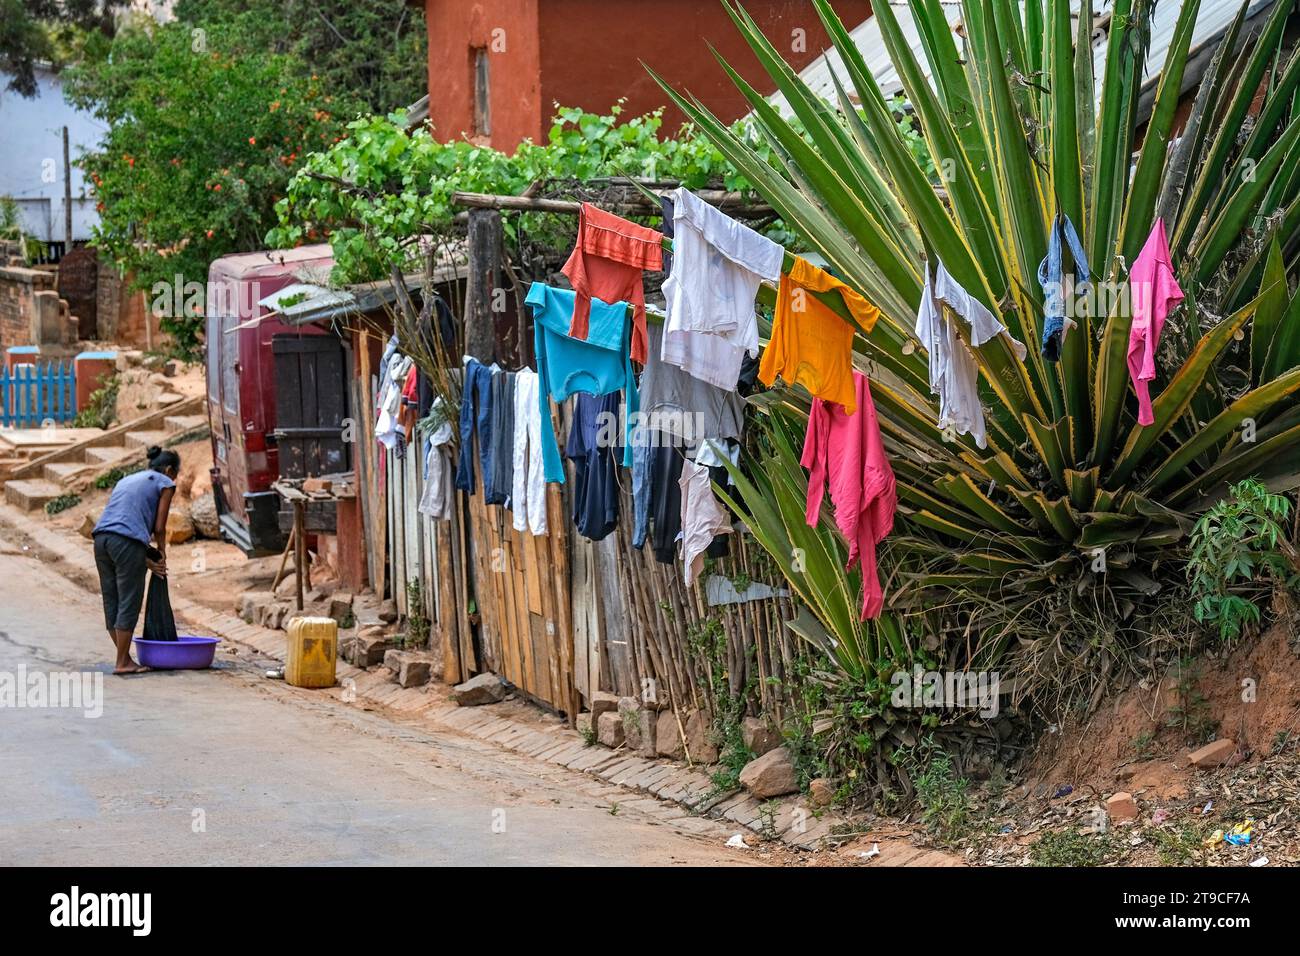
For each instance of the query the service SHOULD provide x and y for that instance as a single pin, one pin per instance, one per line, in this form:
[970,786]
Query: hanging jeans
[643,440]
[476,395]
[1050,277]
[499,481]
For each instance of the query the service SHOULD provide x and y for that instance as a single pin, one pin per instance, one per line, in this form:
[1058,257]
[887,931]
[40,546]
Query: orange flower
[252,141]
[209,233]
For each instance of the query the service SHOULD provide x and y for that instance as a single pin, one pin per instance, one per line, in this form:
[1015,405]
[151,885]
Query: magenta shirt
[847,451]
[1153,292]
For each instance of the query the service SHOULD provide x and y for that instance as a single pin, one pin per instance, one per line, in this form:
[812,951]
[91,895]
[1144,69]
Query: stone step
[31,494]
[142,440]
[65,472]
[184,423]
[109,454]
[170,398]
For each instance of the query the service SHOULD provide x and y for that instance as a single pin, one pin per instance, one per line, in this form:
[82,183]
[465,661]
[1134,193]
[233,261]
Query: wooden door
[310,405]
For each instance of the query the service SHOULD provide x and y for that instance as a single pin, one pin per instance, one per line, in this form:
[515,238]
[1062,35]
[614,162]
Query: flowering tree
[205,131]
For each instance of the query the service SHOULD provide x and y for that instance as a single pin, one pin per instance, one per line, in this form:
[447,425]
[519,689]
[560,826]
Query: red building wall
[588,53]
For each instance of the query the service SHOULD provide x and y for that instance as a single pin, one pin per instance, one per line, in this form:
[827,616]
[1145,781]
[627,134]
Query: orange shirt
[811,345]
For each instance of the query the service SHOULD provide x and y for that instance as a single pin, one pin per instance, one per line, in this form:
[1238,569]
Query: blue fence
[31,395]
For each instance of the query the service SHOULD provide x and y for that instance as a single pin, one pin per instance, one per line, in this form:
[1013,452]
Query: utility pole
[67,196]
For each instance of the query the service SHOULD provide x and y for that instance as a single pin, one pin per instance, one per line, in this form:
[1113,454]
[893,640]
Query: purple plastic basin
[184,653]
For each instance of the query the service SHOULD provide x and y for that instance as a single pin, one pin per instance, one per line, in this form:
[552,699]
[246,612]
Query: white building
[31,157]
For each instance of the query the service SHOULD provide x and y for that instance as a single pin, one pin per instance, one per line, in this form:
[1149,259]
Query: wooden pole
[284,558]
[67,196]
[733,202]
[300,555]
[484,279]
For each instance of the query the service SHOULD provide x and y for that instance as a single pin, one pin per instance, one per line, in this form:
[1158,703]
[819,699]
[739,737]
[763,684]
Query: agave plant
[1041,553]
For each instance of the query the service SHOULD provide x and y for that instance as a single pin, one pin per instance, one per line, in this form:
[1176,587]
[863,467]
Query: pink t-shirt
[847,451]
[1153,291]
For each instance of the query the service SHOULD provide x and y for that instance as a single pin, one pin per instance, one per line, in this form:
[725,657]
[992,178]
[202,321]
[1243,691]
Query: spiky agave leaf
[1007,109]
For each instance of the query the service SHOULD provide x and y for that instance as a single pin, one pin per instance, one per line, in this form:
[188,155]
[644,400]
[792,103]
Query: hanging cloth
[702,518]
[501,481]
[593,449]
[566,366]
[391,383]
[811,345]
[847,452]
[159,622]
[475,414]
[1056,324]
[435,497]
[606,263]
[1153,292]
[718,264]
[953,372]
[528,484]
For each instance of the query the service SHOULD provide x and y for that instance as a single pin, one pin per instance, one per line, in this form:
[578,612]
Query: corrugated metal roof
[1211,21]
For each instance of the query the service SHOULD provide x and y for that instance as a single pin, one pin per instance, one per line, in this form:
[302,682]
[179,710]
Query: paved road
[225,767]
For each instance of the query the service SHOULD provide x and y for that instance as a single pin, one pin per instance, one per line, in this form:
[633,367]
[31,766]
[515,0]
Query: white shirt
[703,518]
[718,264]
[528,484]
[954,375]
[390,400]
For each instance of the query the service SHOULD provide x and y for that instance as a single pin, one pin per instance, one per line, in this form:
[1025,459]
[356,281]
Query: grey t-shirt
[676,402]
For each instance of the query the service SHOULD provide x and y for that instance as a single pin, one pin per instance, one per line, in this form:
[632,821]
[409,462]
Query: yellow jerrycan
[313,650]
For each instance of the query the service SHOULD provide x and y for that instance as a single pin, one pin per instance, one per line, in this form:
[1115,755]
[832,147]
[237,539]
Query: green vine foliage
[1236,549]
[382,186]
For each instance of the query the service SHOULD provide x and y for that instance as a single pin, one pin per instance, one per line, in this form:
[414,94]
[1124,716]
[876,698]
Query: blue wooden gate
[31,395]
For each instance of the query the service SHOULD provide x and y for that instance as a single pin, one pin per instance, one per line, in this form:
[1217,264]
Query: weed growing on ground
[101,407]
[1190,715]
[1072,848]
[417,621]
[942,795]
[111,477]
[1179,847]
[62,503]
[1143,744]
[767,811]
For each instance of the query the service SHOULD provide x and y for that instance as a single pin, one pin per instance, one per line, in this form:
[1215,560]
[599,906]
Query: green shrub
[101,408]
[62,503]
[1072,848]
[1236,555]
[111,477]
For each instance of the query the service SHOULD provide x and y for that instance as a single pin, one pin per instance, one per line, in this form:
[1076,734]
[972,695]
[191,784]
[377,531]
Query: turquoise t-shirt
[566,366]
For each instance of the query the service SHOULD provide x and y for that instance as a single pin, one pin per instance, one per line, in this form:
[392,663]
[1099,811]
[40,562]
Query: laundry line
[766,292]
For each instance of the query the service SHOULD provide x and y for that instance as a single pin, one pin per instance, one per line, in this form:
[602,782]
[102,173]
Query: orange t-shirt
[811,345]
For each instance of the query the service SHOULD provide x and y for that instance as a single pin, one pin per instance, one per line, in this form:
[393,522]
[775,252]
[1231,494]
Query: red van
[241,386]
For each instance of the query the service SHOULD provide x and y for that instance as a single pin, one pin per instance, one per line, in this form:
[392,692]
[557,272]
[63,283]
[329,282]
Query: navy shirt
[595,448]
[132,508]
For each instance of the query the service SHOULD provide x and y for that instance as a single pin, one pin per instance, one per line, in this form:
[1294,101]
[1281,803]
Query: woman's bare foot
[132,668]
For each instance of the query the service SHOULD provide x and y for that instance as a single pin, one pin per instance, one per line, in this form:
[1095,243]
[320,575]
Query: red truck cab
[241,386]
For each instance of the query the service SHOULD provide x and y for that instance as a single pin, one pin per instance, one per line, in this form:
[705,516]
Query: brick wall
[122,316]
[18,288]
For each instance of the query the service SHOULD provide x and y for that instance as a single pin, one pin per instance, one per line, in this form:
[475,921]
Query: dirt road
[226,767]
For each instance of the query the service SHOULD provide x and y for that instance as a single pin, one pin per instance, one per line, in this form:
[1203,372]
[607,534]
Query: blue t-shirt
[132,508]
[566,366]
